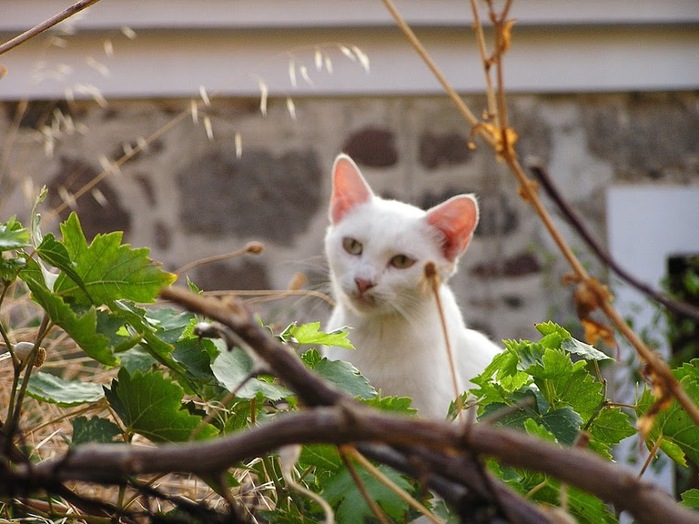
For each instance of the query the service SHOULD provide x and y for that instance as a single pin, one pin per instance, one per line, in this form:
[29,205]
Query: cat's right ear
[349,188]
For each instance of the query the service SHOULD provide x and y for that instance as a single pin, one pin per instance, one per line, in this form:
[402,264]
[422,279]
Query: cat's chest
[396,352]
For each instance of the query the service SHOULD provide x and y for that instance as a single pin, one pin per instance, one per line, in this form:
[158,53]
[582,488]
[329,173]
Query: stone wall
[267,178]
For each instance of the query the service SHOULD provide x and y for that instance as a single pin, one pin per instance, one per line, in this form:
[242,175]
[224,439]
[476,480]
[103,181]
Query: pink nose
[363,285]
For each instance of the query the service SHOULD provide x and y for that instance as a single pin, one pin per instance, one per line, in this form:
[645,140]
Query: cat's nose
[363,284]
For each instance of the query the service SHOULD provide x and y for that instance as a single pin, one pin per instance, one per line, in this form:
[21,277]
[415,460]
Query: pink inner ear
[349,188]
[456,219]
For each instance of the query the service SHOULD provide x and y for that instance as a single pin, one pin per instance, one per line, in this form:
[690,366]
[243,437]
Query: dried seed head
[254,247]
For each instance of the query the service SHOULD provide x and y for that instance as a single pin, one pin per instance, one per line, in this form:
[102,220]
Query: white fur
[395,325]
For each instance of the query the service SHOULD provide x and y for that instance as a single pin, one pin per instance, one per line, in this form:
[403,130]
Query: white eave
[230,46]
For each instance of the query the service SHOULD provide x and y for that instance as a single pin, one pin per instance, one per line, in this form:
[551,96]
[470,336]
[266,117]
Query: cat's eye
[352,246]
[402,261]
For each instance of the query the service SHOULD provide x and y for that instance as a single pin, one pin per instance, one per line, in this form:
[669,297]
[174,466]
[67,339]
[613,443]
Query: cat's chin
[367,305]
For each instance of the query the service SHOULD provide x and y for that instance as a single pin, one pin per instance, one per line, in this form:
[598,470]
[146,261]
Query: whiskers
[406,304]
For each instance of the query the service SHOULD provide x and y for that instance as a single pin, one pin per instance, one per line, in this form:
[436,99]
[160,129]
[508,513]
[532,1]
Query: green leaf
[535,429]
[676,427]
[610,427]
[324,458]
[53,252]
[564,383]
[55,390]
[148,331]
[586,351]
[395,404]
[36,236]
[96,429]
[553,335]
[310,334]
[10,267]
[351,508]
[690,498]
[231,368]
[504,369]
[13,235]
[151,405]
[108,269]
[340,373]
[564,423]
[588,509]
[81,326]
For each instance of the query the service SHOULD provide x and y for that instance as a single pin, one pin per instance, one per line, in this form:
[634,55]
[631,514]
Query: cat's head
[377,249]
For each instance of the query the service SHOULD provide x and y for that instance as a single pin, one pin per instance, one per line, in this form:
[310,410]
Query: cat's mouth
[364,301]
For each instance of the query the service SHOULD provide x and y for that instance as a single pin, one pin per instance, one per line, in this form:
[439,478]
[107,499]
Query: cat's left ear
[456,219]
[349,188]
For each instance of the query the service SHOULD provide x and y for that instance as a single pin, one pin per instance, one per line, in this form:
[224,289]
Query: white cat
[377,250]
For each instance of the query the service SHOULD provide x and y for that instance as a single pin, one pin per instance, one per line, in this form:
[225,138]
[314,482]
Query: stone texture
[497,215]
[645,136]
[37,113]
[240,276]
[95,216]
[372,147]
[259,195]
[147,186]
[188,197]
[162,236]
[518,265]
[443,149]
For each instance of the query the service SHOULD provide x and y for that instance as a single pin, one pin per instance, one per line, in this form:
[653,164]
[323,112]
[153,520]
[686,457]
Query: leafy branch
[338,419]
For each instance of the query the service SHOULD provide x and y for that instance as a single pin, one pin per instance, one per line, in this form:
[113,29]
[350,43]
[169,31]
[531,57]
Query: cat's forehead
[386,222]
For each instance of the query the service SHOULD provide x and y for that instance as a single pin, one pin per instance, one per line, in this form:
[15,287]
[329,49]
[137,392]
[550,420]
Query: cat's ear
[349,188]
[456,219]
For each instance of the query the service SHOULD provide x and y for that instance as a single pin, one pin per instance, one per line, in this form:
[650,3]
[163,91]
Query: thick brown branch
[342,425]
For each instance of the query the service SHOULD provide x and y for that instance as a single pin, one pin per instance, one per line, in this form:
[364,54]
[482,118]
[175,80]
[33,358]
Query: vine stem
[47,24]
[528,189]
[446,85]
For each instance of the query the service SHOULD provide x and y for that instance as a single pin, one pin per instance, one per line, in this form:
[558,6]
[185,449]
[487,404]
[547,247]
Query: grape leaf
[53,389]
[395,404]
[564,383]
[53,252]
[81,326]
[586,351]
[13,235]
[96,429]
[340,373]
[564,423]
[151,405]
[609,427]
[324,458]
[553,334]
[109,270]
[690,498]
[310,334]
[674,424]
[231,368]
[351,508]
[149,332]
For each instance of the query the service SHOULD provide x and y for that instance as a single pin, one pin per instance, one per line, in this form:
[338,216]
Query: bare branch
[542,176]
[47,24]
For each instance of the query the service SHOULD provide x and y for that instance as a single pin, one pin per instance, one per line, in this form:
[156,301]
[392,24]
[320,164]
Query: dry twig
[47,24]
